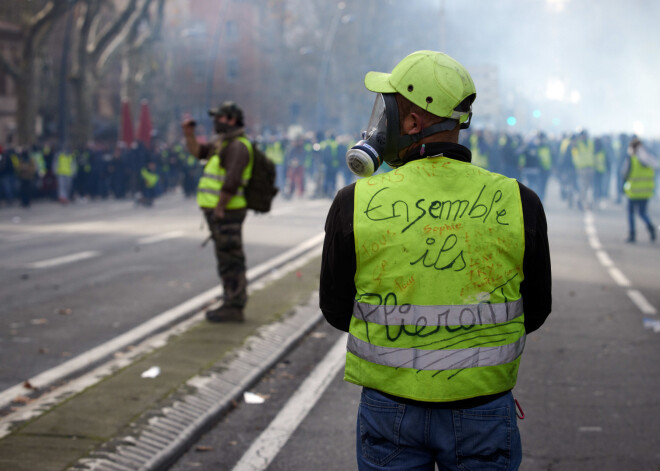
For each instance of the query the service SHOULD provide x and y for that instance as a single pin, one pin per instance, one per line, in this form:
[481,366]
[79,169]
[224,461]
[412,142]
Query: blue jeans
[402,437]
[640,207]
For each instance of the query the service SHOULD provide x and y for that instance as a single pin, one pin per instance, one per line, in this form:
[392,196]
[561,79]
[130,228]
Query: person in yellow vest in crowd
[600,172]
[65,170]
[221,196]
[584,161]
[426,268]
[639,185]
[535,162]
[478,149]
[150,179]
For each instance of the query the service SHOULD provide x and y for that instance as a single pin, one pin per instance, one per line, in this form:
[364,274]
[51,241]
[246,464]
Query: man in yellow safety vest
[221,196]
[425,267]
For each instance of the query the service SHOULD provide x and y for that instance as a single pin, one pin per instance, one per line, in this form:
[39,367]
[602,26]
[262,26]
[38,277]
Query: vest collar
[446,149]
[231,135]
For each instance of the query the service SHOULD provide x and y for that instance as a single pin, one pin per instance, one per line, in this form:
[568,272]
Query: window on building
[232,69]
[231,31]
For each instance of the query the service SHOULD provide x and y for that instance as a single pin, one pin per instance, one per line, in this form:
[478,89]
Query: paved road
[588,381]
[74,277]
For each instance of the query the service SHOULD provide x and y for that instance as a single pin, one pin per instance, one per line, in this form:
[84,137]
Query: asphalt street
[74,277]
[588,380]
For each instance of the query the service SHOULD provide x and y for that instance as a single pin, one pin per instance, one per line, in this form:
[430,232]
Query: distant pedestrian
[65,170]
[26,173]
[7,176]
[430,268]
[149,182]
[639,185]
[584,161]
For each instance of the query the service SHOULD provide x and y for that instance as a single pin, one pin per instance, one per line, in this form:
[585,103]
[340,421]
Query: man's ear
[412,124]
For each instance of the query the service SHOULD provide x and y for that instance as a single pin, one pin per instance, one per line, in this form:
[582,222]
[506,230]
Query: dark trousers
[639,206]
[228,241]
[25,189]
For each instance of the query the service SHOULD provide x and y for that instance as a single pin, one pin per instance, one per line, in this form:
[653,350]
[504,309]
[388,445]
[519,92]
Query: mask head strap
[409,139]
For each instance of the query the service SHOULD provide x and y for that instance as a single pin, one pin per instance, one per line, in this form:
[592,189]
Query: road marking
[171,316]
[264,449]
[74,257]
[619,277]
[636,296]
[594,242]
[590,429]
[604,259]
[641,302]
[590,230]
[160,237]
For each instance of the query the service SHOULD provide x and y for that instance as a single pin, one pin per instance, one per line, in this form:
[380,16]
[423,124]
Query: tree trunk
[82,90]
[27,99]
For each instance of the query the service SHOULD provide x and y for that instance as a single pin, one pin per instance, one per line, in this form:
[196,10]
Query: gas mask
[382,141]
[378,141]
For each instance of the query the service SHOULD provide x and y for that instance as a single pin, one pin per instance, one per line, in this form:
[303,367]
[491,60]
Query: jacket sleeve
[338,263]
[536,288]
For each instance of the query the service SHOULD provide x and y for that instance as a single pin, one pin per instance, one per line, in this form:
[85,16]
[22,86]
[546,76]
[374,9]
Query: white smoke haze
[578,63]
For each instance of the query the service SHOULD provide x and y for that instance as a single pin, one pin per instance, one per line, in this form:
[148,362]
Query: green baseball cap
[432,80]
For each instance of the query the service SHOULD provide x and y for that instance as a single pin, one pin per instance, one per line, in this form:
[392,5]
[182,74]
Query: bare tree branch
[111,34]
[155,29]
[47,14]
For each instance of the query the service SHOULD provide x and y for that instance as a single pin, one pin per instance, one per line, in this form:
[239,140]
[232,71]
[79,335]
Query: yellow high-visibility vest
[438,312]
[210,184]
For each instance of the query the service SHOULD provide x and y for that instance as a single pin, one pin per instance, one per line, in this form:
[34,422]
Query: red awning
[144,125]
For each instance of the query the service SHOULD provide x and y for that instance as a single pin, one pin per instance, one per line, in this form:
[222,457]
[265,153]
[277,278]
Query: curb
[177,426]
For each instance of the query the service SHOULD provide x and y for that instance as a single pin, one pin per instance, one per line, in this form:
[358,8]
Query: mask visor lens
[377,121]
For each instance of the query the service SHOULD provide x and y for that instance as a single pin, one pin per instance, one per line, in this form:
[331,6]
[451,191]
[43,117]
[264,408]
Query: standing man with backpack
[221,196]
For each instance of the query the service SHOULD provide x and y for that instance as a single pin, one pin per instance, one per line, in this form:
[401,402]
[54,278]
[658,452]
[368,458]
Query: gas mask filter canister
[364,158]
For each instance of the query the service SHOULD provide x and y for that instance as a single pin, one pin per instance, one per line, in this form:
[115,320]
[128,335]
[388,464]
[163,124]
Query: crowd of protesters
[309,165]
[65,175]
[588,168]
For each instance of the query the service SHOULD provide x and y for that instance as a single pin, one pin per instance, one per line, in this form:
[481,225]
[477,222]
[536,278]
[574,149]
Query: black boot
[652,233]
[225,314]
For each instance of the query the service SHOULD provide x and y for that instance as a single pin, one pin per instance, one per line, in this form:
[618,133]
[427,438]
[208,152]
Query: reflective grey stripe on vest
[220,178]
[437,359]
[468,314]
[240,191]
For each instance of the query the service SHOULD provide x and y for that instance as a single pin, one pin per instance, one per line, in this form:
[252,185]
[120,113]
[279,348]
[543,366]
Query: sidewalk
[129,422]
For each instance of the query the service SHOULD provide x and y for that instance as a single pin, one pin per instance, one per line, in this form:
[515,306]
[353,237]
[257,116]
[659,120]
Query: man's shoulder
[238,144]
